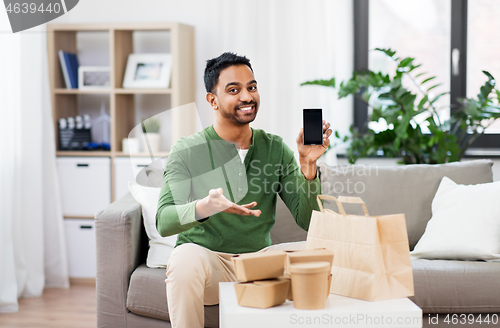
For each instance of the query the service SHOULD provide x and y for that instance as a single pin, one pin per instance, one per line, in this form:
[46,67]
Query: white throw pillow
[160,247]
[465,223]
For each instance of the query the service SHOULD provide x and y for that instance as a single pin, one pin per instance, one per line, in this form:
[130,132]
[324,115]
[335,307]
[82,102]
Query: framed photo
[148,71]
[93,77]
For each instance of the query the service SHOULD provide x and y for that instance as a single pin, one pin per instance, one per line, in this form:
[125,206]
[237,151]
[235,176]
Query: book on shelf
[69,67]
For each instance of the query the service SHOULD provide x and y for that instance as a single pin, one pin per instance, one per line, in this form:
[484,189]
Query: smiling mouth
[246,109]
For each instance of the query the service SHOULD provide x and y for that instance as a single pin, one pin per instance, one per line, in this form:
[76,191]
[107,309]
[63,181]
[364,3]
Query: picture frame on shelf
[94,77]
[148,71]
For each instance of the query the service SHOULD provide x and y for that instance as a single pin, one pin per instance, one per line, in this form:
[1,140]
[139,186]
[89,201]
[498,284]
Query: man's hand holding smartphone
[312,141]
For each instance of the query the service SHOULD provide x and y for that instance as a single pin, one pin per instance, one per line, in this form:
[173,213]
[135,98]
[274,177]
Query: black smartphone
[313,126]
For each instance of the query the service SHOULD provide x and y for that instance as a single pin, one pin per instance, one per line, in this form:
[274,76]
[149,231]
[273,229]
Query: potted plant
[150,138]
[405,113]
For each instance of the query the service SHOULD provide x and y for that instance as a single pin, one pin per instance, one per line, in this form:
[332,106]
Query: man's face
[237,97]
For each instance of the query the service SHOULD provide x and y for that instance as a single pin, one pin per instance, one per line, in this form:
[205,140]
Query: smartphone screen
[313,126]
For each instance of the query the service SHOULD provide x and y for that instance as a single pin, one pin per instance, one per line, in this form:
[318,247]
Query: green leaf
[434,86]
[490,77]
[384,137]
[406,61]
[388,52]
[428,79]
[325,83]
[351,87]
[438,96]
[413,67]
[423,101]
[337,135]
[481,98]
[485,91]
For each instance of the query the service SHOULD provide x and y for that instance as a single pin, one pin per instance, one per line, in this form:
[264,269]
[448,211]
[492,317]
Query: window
[483,47]
[431,31]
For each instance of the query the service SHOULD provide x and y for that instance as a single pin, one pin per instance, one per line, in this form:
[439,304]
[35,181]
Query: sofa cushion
[407,189]
[160,247]
[147,296]
[456,286]
[465,223]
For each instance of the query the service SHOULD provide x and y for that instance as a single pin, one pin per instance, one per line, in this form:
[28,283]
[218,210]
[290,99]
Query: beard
[240,117]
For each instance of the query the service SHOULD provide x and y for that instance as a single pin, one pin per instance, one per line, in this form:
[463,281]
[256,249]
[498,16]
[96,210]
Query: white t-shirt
[243,154]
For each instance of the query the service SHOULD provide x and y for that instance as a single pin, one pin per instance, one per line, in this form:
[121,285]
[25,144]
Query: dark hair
[216,65]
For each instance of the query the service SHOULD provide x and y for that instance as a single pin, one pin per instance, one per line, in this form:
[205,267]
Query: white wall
[287,41]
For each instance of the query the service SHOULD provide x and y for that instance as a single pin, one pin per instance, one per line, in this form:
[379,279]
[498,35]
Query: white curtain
[32,245]
[290,42]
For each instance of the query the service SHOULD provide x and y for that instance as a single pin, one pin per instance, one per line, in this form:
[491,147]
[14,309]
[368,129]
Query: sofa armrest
[118,246]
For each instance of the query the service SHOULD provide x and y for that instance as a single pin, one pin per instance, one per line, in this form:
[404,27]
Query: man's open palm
[216,202]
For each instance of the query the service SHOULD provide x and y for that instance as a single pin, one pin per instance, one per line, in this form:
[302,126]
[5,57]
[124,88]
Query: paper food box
[308,255]
[263,293]
[289,296]
[259,266]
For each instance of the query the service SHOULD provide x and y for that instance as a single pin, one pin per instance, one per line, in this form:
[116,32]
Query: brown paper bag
[371,253]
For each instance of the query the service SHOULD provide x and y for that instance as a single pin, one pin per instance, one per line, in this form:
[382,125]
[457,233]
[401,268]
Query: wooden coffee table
[339,312]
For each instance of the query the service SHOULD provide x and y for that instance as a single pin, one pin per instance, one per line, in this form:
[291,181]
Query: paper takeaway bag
[371,253]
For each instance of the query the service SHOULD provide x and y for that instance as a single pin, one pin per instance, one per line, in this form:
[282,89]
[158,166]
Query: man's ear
[212,100]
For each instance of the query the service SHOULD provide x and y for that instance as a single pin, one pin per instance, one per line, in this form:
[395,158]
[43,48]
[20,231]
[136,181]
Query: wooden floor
[76,308]
[57,308]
